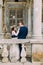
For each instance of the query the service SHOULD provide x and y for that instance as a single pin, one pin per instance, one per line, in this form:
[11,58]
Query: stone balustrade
[8,50]
[7,54]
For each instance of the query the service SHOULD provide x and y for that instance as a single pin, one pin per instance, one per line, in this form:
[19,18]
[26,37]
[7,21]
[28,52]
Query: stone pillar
[1,4]
[29,21]
[0,19]
[37,19]
[37,29]
[1,36]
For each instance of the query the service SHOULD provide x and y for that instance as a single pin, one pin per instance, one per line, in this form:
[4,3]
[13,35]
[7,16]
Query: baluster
[1,49]
[5,54]
[1,52]
[23,54]
[14,53]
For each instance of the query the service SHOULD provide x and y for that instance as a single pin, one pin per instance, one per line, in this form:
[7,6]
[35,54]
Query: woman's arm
[17,31]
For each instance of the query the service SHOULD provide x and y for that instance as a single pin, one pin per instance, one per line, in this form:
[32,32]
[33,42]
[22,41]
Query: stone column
[37,28]
[37,19]
[1,4]
[1,36]
[29,21]
[0,19]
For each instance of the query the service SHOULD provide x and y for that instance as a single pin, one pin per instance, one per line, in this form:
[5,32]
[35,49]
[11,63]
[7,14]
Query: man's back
[23,32]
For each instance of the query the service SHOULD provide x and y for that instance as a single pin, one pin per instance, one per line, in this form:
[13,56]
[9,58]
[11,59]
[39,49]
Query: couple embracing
[20,34]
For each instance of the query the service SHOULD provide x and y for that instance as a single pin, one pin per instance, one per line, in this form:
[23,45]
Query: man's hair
[21,22]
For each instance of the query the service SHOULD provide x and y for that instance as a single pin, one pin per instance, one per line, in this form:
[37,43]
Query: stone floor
[19,63]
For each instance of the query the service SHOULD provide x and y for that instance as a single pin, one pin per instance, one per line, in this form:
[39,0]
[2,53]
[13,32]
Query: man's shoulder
[23,28]
[26,27]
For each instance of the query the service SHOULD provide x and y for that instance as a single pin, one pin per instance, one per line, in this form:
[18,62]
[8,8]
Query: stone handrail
[22,41]
[12,41]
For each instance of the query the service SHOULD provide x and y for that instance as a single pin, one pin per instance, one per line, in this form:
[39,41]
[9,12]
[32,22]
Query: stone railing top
[22,41]
[12,41]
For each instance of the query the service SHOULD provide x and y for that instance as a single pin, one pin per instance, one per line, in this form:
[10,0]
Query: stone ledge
[22,41]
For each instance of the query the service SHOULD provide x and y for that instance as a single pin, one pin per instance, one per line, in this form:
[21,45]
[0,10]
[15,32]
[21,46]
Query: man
[22,34]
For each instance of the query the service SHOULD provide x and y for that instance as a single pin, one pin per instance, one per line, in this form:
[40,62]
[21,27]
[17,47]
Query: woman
[14,50]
